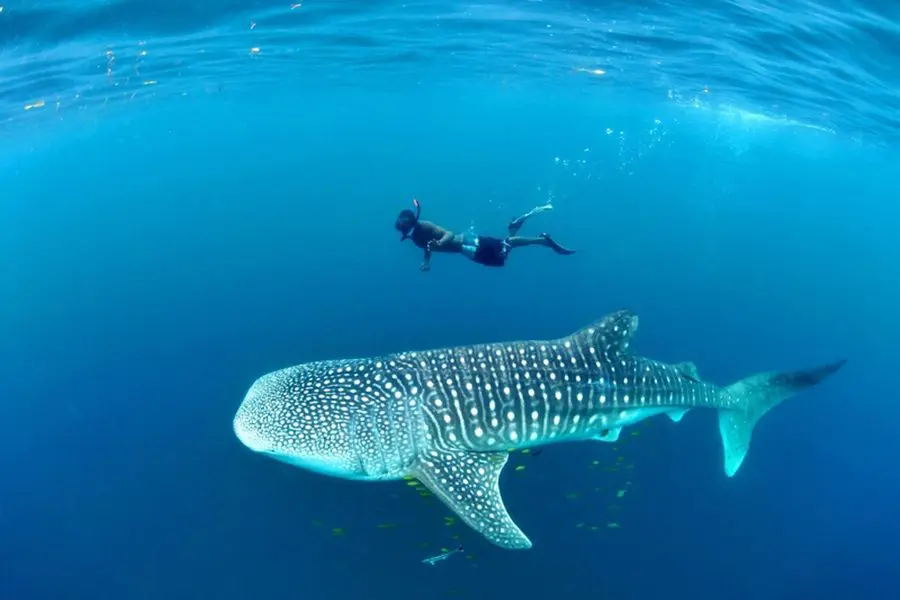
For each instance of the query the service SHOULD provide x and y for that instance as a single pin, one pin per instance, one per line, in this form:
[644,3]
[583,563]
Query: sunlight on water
[734,115]
[794,70]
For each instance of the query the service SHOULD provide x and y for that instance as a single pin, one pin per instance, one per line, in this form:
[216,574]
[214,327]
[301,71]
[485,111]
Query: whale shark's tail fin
[757,395]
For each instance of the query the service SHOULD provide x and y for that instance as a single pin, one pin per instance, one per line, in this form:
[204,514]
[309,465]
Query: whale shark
[449,417]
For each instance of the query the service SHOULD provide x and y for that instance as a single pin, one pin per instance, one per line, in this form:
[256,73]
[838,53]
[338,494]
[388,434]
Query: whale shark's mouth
[250,437]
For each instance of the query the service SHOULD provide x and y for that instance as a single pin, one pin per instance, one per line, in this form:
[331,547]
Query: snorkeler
[482,249]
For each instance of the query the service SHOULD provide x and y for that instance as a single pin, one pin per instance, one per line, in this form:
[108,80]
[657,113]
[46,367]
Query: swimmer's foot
[516,224]
[559,249]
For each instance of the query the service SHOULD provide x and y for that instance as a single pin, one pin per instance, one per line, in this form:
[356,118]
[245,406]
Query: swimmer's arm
[439,236]
[446,236]
[426,264]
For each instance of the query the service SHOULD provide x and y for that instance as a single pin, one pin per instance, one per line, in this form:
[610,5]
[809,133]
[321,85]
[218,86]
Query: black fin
[757,395]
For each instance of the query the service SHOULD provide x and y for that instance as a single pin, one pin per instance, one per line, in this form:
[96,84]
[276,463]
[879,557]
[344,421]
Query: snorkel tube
[415,220]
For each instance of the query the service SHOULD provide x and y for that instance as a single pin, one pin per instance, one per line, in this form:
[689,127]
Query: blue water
[195,194]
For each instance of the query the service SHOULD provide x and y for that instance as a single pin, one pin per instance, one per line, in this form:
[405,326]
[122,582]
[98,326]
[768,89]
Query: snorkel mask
[411,221]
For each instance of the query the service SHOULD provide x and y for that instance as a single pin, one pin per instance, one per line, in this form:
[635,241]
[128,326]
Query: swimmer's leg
[516,224]
[543,240]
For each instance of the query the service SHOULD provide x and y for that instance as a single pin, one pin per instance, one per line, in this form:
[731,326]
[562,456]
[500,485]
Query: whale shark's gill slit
[394,436]
[432,428]
[459,408]
[406,432]
[372,417]
[352,438]
[519,402]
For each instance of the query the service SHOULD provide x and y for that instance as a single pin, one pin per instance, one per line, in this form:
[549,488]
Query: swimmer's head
[406,222]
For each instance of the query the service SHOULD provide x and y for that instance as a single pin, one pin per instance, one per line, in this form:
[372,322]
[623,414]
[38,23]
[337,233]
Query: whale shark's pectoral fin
[469,484]
[677,414]
[609,336]
[608,435]
[689,370]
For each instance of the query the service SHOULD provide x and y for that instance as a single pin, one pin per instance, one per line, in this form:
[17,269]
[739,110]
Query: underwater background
[197,193]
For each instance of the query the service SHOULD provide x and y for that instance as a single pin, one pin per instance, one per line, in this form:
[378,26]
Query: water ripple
[829,64]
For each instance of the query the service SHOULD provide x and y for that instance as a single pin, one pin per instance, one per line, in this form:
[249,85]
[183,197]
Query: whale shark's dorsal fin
[689,370]
[469,484]
[611,335]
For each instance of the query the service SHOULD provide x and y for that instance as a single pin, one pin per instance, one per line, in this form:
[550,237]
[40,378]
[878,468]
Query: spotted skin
[448,416]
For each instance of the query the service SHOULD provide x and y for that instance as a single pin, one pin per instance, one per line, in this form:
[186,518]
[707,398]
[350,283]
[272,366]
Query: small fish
[386,525]
[620,493]
[442,556]
[520,468]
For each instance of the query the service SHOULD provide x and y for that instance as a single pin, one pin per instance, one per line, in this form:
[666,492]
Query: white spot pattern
[469,484]
[383,418]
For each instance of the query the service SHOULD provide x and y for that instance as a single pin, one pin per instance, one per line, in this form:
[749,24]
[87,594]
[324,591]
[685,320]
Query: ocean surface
[197,193]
